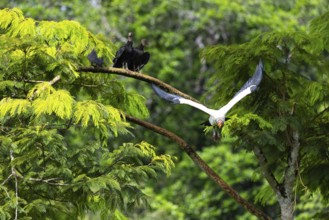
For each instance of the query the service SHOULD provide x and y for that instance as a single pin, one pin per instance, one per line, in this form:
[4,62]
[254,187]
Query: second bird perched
[123,55]
[132,58]
[217,117]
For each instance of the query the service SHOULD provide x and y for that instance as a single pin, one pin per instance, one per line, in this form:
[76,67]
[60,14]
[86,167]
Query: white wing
[198,106]
[233,101]
[176,99]
[249,87]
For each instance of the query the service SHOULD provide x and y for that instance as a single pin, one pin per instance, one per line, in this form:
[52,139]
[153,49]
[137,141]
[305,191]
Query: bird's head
[144,42]
[217,129]
[130,36]
[220,123]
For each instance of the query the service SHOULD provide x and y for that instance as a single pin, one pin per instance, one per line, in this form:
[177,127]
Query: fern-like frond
[59,102]
[146,149]
[86,111]
[135,105]
[265,196]
[314,93]
[25,28]
[235,123]
[10,17]
[41,90]
[14,107]
[165,162]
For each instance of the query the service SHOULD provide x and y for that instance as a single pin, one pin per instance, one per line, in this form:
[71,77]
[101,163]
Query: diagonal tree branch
[266,172]
[183,145]
[139,76]
[203,165]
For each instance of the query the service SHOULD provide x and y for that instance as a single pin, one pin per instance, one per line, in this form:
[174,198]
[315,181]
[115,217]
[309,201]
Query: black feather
[124,55]
[255,80]
[139,58]
[94,59]
[167,96]
[206,123]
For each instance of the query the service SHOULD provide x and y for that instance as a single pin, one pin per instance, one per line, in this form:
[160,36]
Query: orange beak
[220,123]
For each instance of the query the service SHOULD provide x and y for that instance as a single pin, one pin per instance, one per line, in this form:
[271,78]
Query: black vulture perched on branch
[124,54]
[139,58]
[94,59]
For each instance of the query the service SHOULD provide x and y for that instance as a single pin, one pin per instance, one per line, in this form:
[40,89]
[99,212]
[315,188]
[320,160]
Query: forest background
[90,158]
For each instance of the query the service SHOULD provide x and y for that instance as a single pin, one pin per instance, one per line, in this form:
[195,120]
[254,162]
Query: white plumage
[217,117]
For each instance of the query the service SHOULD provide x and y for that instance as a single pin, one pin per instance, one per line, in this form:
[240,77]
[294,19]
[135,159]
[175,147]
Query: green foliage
[177,30]
[135,105]
[58,102]
[57,127]
[291,98]
[184,199]
[320,29]
[14,107]
[52,48]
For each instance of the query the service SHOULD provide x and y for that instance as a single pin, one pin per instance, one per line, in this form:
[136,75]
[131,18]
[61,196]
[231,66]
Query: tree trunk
[287,208]
[283,191]
[287,196]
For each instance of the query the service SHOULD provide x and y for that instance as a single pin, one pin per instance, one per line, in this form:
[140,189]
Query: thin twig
[34,81]
[300,177]
[51,82]
[54,80]
[49,181]
[4,182]
[13,172]
[269,176]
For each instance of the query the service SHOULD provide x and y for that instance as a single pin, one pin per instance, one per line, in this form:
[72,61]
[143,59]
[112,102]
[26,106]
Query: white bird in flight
[217,117]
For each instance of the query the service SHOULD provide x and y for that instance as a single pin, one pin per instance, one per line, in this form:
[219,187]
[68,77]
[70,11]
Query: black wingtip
[167,96]
[94,59]
[255,80]
[258,75]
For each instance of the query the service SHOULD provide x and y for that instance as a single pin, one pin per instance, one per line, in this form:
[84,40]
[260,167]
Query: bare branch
[34,81]
[139,76]
[184,146]
[51,82]
[203,165]
[266,172]
[51,181]
[54,80]
[8,178]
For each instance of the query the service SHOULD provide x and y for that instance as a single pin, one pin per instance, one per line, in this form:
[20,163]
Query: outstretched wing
[167,96]
[255,80]
[249,87]
[94,59]
[176,99]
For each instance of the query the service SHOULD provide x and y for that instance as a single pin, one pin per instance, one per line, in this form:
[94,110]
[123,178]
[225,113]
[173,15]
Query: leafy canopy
[292,98]
[56,126]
